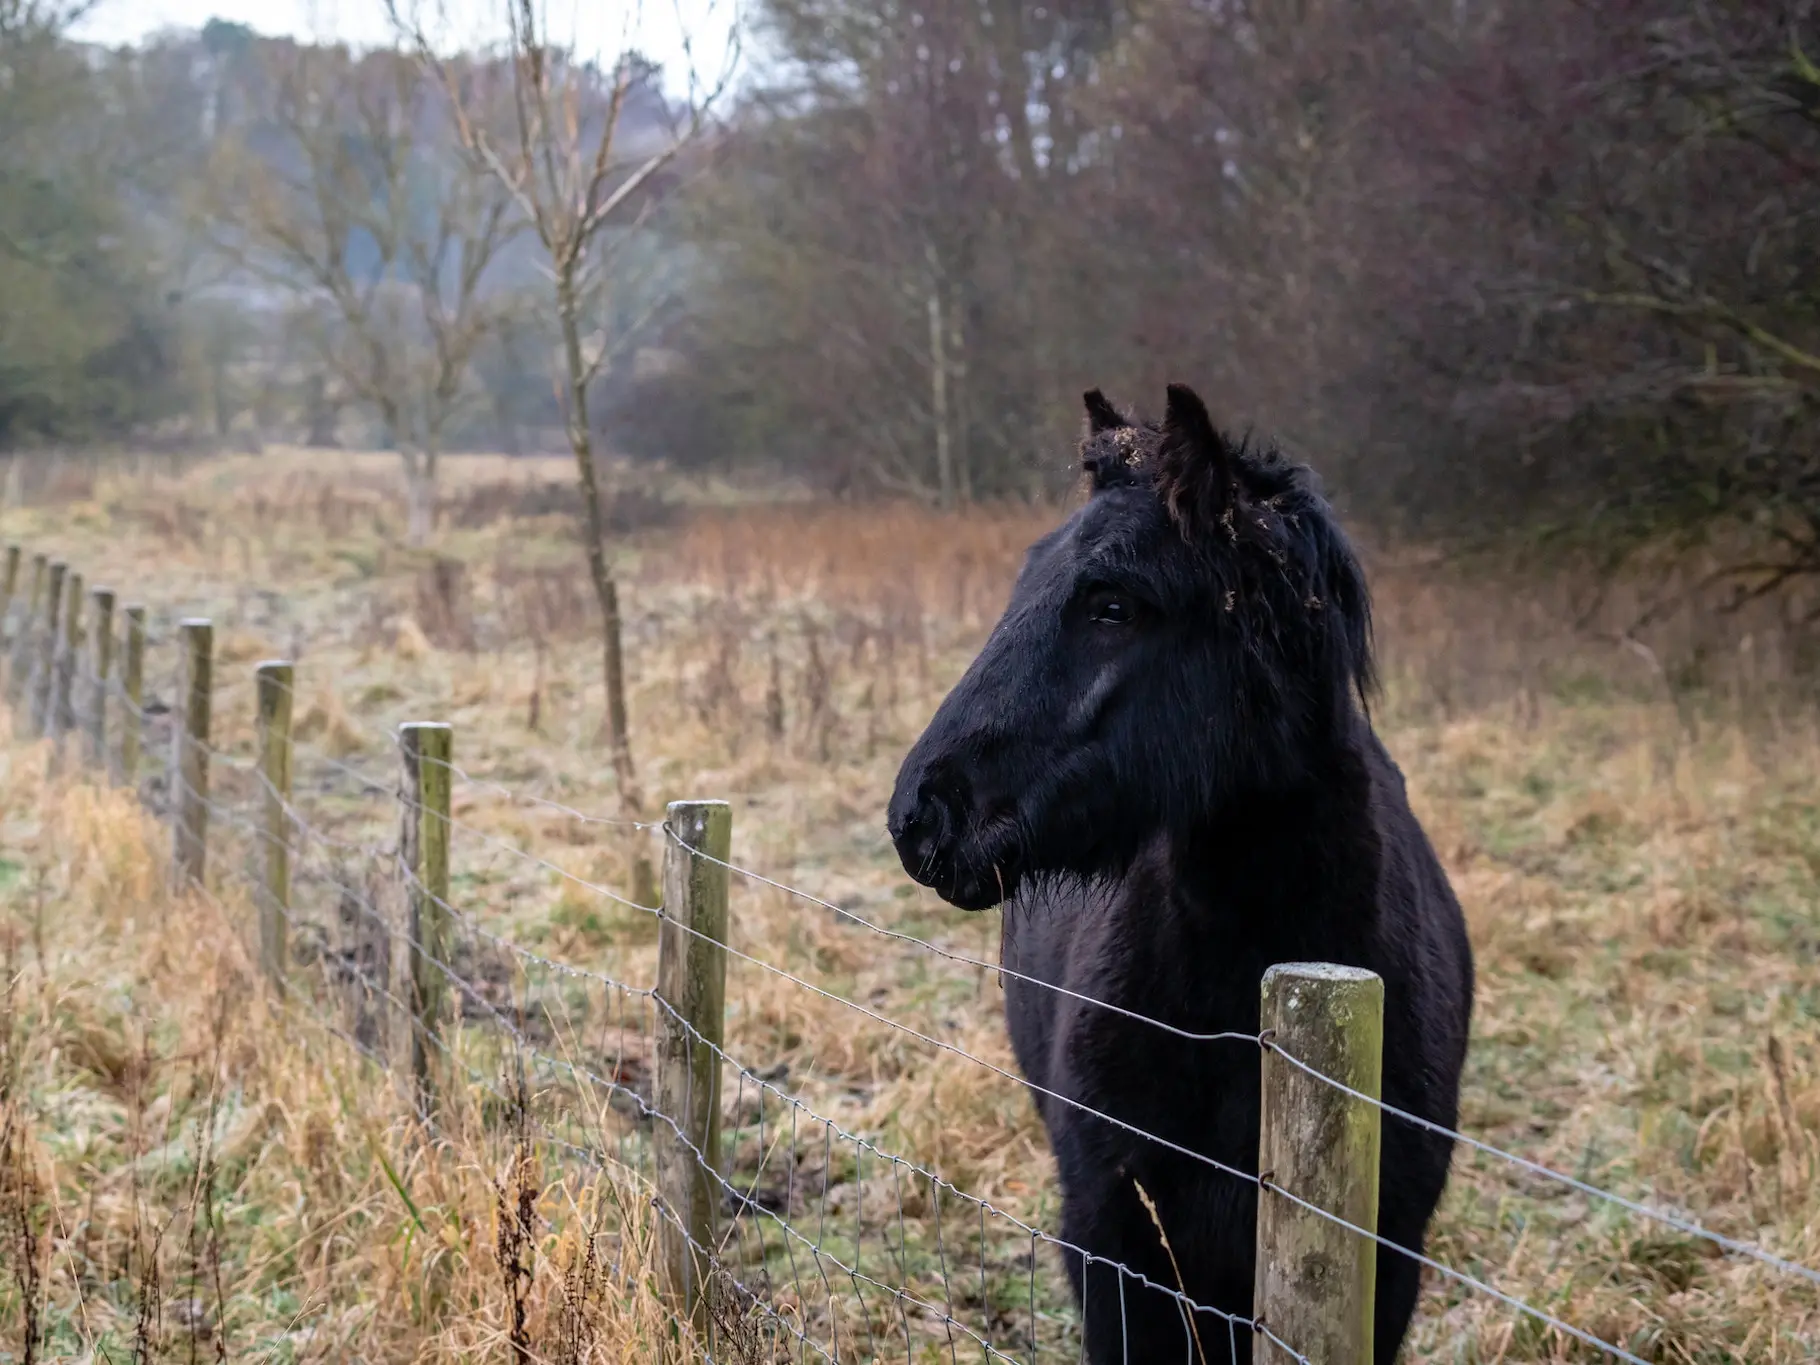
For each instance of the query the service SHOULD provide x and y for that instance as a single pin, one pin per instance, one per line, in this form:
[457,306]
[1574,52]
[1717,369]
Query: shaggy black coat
[1162,766]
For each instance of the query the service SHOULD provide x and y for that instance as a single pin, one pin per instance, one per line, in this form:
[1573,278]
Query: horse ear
[1101,415]
[1194,463]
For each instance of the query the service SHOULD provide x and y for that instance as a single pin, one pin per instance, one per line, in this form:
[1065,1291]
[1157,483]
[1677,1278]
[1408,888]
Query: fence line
[1469,1281]
[178,789]
[1460,1277]
[1726,1243]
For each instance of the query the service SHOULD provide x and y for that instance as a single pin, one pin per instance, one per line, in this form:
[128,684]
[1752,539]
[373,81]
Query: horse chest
[1194,1093]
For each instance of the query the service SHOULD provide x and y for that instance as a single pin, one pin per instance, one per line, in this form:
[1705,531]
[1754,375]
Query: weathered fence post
[18,665]
[273,679]
[132,690]
[1316,1280]
[44,667]
[428,748]
[9,584]
[103,631]
[692,991]
[63,686]
[190,754]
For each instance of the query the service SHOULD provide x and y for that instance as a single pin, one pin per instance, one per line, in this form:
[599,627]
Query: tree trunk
[420,496]
[938,384]
[320,413]
[961,402]
[606,591]
[219,399]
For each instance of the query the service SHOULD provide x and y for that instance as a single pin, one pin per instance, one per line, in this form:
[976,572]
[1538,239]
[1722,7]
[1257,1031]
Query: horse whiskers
[922,870]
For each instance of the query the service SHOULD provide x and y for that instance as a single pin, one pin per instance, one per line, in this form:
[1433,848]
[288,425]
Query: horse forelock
[1276,559]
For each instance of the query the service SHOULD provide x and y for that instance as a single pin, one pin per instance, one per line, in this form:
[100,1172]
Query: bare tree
[562,140]
[890,233]
[351,191]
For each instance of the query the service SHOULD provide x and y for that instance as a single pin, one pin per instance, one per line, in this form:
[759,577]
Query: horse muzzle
[944,847]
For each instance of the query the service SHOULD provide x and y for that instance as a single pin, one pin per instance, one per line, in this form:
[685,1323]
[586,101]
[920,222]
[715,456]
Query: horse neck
[1290,871]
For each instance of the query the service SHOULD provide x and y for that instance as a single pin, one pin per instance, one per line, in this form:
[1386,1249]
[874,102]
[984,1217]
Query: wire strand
[954,956]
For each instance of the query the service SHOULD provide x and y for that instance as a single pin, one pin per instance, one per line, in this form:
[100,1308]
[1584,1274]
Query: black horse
[1162,765]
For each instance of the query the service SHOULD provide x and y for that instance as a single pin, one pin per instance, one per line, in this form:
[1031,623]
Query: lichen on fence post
[63,683]
[1316,1280]
[428,749]
[273,680]
[692,993]
[101,675]
[44,665]
[132,690]
[190,753]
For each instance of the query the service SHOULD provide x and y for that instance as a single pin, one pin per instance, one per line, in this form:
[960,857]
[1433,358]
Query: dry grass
[197,1171]
[1632,828]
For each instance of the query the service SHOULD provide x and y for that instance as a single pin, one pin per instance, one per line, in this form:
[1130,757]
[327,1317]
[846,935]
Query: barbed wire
[746,1200]
[1460,1277]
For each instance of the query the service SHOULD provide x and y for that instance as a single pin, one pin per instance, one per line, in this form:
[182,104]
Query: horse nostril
[923,837]
[930,830]
[927,814]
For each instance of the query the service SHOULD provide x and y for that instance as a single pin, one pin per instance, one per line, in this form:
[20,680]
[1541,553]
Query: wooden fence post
[427,748]
[102,676]
[1316,1281]
[190,755]
[9,584]
[18,667]
[63,685]
[692,989]
[273,680]
[132,689]
[44,667]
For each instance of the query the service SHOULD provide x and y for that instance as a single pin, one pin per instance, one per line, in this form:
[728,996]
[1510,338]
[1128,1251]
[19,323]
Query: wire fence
[829,1241]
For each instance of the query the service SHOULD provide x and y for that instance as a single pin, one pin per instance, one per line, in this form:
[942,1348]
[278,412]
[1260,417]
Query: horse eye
[1111,609]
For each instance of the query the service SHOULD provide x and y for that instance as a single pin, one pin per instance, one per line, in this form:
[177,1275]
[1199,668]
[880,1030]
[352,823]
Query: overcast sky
[601,28]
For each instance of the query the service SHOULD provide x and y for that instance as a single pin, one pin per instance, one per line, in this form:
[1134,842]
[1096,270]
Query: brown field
[195,1166]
